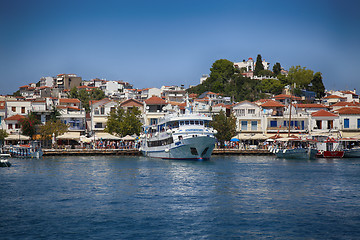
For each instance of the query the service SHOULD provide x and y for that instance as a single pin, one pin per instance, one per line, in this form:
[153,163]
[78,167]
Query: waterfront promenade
[136,152]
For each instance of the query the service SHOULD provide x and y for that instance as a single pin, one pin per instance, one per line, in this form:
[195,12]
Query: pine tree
[226,127]
[318,85]
[277,69]
[259,65]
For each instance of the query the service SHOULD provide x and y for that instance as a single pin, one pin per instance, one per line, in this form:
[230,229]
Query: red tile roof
[69,100]
[284,96]
[15,117]
[349,92]
[309,105]
[343,104]
[193,95]
[131,102]
[349,111]
[272,103]
[334,96]
[323,113]
[154,100]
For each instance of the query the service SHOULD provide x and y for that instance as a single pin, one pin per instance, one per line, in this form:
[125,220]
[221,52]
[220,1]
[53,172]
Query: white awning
[17,137]
[128,138]
[69,136]
[106,136]
[248,136]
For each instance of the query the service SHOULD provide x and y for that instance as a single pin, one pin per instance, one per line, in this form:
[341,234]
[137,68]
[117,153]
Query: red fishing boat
[330,148]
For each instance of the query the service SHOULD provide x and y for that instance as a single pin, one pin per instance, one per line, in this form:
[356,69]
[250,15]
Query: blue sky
[155,43]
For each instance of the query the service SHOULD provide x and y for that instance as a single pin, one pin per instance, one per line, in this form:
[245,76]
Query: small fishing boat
[330,148]
[4,163]
[293,148]
[32,150]
[351,147]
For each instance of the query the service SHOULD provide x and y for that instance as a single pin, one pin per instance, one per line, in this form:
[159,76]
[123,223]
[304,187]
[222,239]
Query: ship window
[196,122]
[191,122]
[181,122]
[201,123]
[186,122]
[193,151]
[163,142]
[204,152]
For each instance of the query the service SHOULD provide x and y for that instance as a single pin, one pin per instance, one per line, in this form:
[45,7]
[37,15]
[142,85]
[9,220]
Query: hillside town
[335,114]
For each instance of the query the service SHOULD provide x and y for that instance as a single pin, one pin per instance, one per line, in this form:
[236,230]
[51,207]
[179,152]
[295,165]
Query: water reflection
[136,197]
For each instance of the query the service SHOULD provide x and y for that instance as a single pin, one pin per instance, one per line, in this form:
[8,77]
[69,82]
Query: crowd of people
[111,144]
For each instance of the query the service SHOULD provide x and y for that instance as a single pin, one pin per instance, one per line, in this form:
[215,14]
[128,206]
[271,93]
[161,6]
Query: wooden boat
[330,148]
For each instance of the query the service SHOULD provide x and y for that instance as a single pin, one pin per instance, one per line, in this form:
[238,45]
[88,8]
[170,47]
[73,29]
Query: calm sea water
[120,197]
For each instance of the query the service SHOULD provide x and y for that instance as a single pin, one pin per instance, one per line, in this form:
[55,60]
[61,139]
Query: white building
[100,110]
[47,82]
[249,65]
[203,78]
[249,117]
[173,93]
[17,107]
[349,118]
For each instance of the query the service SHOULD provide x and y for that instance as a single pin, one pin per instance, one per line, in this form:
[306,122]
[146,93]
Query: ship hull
[196,148]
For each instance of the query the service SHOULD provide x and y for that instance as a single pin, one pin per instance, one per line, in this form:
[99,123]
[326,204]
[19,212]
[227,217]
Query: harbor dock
[136,152]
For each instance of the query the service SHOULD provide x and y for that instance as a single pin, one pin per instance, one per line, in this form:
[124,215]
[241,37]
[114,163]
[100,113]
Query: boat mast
[290,112]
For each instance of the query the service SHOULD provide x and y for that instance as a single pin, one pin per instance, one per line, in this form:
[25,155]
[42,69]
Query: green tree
[53,127]
[318,85]
[97,94]
[85,96]
[73,93]
[29,125]
[301,76]
[54,113]
[222,72]
[123,122]
[277,69]
[17,93]
[273,86]
[258,65]
[225,79]
[265,73]
[3,135]
[225,126]
[84,99]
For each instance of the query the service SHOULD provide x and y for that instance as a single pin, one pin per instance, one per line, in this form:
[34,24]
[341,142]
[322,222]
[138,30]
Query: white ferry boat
[179,136]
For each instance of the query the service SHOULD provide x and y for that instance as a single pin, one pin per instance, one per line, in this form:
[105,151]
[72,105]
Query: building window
[346,123]
[17,126]
[98,125]
[240,112]
[154,121]
[358,123]
[13,109]
[10,126]
[330,124]
[96,111]
[243,125]
[22,109]
[102,110]
[318,124]
[273,123]
[251,111]
[253,125]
